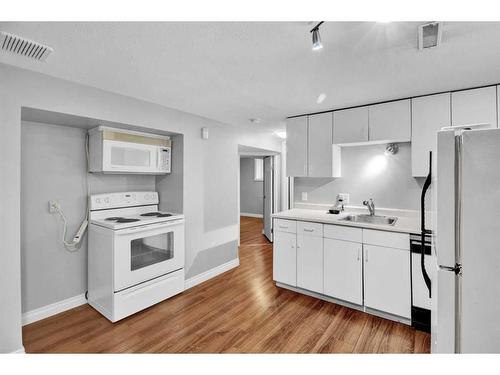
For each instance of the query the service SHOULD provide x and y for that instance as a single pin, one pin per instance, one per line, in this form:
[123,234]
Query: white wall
[210,170]
[251,191]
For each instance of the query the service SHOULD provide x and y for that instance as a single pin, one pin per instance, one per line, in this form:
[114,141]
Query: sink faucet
[371,206]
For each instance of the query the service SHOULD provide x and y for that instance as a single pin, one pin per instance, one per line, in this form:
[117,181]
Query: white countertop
[406,223]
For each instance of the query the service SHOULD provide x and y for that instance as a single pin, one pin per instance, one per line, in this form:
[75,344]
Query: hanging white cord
[75,244]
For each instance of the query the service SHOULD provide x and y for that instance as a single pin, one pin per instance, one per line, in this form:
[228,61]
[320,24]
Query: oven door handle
[143,228]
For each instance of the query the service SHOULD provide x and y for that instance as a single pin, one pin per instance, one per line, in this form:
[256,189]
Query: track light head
[316,39]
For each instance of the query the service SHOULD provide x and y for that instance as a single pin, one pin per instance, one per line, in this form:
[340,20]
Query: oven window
[150,250]
[130,157]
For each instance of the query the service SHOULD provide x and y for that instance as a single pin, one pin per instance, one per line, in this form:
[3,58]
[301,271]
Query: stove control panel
[126,199]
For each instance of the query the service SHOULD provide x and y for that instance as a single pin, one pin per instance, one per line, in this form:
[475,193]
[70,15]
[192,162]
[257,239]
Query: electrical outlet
[345,197]
[304,195]
[53,206]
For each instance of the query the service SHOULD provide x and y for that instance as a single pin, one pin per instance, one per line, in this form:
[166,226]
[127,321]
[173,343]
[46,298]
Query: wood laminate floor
[239,311]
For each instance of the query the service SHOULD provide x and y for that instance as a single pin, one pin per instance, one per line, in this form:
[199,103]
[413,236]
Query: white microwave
[122,151]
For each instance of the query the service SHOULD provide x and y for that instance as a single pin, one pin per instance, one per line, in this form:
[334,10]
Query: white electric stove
[136,253]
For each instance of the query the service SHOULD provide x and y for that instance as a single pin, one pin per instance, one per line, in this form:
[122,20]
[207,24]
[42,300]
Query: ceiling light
[316,39]
[321,98]
[281,133]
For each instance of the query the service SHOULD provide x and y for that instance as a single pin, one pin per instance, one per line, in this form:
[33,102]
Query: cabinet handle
[308,230]
[358,254]
[283,227]
[366,255]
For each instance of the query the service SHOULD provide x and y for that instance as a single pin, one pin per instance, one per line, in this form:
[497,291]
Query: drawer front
[339,232]
[137,298]
[282,225]
[387,239]
[310,229]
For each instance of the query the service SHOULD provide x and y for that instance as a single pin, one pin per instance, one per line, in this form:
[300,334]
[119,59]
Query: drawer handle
[283,227]
[308,230]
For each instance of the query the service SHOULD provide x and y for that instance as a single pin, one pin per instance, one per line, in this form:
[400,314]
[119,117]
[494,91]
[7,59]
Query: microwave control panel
[164,159]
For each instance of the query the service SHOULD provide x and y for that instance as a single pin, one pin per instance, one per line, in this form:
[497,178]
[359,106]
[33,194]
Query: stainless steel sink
[369,219]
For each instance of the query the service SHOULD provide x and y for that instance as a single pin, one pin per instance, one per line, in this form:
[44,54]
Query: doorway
[259,188]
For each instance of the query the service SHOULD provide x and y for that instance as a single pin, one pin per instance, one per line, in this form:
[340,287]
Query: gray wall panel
[251,191]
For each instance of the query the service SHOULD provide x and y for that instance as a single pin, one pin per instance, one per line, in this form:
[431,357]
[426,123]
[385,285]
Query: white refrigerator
[466,312]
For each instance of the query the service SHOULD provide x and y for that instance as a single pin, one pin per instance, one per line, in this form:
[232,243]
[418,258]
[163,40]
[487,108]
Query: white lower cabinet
[366,267]
[285,258]
[343,270]
[387,280]
[310,262]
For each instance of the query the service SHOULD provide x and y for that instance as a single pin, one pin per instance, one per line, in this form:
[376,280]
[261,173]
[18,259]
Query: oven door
[128,157]
[146,252]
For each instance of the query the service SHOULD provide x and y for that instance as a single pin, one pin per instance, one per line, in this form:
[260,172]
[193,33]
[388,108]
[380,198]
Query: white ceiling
[235,71]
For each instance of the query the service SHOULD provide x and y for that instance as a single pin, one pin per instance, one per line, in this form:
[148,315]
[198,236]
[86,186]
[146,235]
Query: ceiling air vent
[429,35]
[24,47]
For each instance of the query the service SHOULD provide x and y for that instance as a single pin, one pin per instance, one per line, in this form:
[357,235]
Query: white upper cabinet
[310,152]
[477,106]
[350,125]
[390,121]
[296,147]
[320,145]
[429,114]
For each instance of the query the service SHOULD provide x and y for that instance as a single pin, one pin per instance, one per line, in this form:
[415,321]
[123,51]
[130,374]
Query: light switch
[304,195]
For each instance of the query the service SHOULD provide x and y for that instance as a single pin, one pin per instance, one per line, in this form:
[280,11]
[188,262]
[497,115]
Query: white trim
[207,275]
[53,309]
[248,214]
[19,351]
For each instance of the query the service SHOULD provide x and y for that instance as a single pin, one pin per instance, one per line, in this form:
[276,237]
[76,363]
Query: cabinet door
[429,114]
[310,263]
[296,147]
[342,270]
[387,280]
[320,145]
[477,106]
[285,258]
[350,125]
[390,121]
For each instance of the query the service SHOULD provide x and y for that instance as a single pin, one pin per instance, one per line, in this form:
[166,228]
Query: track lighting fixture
[316,39]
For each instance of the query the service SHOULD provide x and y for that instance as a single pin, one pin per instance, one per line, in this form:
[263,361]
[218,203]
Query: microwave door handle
[158,151]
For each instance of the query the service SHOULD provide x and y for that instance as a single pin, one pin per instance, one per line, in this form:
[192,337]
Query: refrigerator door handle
[427,183]
[457,269]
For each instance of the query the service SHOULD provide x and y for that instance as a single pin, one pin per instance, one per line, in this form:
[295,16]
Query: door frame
[277,183]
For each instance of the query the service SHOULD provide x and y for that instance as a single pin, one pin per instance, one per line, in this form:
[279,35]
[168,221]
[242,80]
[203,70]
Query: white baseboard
[207,275]
[19,351]
[53,309]
[247,214]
